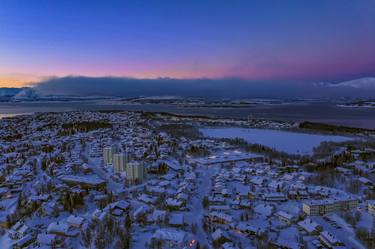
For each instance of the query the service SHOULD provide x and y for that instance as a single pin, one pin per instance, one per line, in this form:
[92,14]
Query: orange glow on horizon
[13,83]
[25,80]
[15,80]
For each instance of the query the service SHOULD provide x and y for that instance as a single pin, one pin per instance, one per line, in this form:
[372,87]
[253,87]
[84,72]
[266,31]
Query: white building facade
[119,162]
[108,153]
[135,172]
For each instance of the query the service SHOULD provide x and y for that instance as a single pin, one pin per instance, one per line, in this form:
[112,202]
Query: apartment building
[108,153]
[322,207]
[135,172]
[119,162]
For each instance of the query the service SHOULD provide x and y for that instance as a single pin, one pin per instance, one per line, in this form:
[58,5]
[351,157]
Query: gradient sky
[313,40]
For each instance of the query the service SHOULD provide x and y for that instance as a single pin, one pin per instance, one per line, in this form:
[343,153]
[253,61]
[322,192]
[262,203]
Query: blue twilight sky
[291,40]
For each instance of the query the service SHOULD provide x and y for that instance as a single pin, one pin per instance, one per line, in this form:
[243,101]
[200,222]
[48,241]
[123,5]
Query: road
[196,209]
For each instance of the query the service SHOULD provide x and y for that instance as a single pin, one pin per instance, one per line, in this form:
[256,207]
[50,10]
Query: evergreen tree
[128,222]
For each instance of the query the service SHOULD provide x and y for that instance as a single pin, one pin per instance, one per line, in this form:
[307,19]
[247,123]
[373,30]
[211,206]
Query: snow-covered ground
[344,234]
[290,142]
[223,194]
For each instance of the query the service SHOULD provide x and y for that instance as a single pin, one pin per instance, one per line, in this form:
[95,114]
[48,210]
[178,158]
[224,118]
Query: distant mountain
[361,83]
[6,94]
[9,91]
[26,93]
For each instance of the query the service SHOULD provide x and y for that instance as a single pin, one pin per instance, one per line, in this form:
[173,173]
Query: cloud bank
[204,88]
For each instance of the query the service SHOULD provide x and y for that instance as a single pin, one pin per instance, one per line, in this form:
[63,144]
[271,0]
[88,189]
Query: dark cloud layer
[206,88]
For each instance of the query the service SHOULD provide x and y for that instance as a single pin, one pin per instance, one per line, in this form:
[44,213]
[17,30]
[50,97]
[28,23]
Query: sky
[264,40]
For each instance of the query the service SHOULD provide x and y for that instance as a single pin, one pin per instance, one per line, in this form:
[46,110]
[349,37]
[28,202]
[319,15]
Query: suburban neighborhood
[101,179]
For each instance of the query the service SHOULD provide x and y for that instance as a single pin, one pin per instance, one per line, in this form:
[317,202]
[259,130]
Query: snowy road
[197,211]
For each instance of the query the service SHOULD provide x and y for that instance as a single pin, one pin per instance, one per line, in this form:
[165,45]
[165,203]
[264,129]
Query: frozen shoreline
[285,141]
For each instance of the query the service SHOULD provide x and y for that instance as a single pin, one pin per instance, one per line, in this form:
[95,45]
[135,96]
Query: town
[119,179]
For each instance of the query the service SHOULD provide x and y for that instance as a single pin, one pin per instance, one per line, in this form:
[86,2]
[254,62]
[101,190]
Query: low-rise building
[329,240]
[169,238]
[285,217]
[311,227]
[275,197]
[322,207]
[371,206]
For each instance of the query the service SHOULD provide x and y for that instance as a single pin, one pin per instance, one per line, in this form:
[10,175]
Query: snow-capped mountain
[361,83]
[34,94]
[27,93]
[9,91]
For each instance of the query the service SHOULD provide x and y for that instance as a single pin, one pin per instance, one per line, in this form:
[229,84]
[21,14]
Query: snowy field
[290,142]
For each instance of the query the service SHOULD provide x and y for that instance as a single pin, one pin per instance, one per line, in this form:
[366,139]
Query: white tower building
[119,162]
[135,172]
[108,154]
